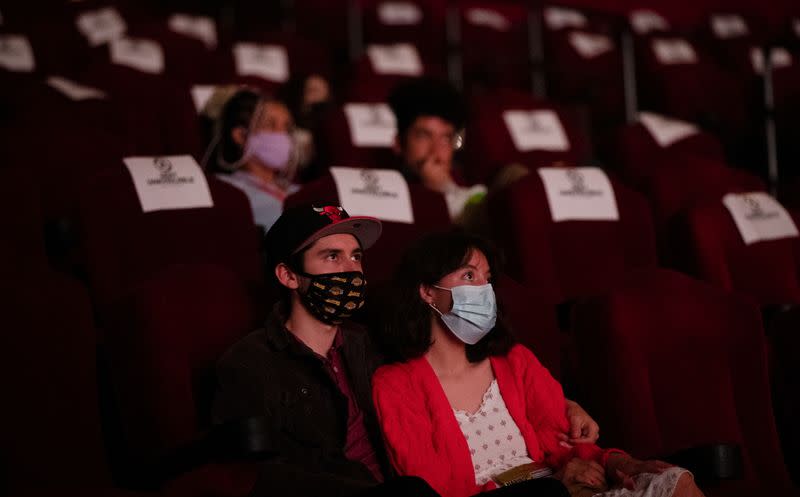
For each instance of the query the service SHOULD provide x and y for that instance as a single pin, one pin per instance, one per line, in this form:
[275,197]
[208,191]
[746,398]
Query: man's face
[428,145]
[333,254]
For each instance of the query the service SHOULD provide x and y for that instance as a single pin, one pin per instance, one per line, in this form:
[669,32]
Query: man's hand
[434,173]
[582,472]
[582,428]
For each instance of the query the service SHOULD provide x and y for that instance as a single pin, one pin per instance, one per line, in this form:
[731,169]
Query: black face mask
[334,297]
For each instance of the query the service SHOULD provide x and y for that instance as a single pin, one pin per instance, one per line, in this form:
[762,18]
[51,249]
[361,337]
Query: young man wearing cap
[308,370]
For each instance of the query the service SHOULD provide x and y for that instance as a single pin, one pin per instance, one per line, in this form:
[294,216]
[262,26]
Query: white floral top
[494,440]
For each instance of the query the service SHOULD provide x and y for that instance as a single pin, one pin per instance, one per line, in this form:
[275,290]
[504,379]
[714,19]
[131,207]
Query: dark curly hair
[404,329]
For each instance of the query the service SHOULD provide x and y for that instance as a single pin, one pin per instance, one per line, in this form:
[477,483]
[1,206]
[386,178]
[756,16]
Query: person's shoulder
[397,374]
[520,356]
[251,347]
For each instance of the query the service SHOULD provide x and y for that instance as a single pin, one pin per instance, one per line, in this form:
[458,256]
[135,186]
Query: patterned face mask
[334,297]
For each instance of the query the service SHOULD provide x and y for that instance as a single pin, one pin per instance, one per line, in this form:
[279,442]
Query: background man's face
[428,143]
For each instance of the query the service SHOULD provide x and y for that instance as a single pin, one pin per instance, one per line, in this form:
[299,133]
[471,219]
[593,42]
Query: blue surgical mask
[474,312]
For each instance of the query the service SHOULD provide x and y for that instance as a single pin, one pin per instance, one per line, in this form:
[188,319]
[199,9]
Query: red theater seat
[686,182]
[489,144]
[23,225]
[565,260]
[637,154]
[494,44]
[168,336]
[51,432]
[684,365]
[414,21]
[712,249]
[677,77]
[124,246]
[337,146]
[583,63]
[430,215]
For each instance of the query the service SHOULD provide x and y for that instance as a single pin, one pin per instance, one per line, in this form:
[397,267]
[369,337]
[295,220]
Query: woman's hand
[582,428]
[582,472]
[621,468]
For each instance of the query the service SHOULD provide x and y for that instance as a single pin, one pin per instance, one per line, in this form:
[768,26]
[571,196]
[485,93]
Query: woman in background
[253,150]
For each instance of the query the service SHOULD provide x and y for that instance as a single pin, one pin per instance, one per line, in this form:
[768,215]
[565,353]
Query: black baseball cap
[300,226]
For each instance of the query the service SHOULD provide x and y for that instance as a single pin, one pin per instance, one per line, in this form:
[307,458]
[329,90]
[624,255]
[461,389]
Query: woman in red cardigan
[469,411]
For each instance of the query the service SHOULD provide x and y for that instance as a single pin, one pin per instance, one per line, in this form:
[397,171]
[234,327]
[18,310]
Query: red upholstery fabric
[51,434]
[71,157]
[305,57]
[430,215]
[713,250]
[158,115]
[21,221]
[687,182]
[335,145]
[701,92]
[481,45]
[428,35]
[489,146]
[365,85]
[596,81]
[123,245]
[637,155]
[532,322]
[684,365]
[167,338]
[570,259]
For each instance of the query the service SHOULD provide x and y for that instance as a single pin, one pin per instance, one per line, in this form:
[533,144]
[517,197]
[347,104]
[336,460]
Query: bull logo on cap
[333,212]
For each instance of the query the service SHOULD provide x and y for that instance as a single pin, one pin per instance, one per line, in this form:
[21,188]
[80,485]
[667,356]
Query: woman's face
[475,272]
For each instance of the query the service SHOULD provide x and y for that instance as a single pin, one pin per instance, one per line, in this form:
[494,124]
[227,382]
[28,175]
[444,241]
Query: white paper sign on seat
[729,26]
[536,130]
[75,91]
[590,45]
[579,194]
[201,28]
[140,54]
[647,21]
[165,183]
[666,131]
[269,62]
[779,56]
[101,26]
[674,51]
[488,18]
[371,125]
[381,193]
[557,18]
[759,217]
[399,14]
[201,94]
[16,54]
[401,59]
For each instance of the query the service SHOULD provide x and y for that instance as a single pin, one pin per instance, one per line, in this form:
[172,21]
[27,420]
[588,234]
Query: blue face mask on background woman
[474,312]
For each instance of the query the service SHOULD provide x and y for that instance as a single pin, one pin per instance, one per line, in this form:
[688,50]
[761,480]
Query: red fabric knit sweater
[423,437]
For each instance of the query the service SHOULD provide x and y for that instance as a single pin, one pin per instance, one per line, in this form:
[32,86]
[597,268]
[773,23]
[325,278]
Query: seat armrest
[710,462]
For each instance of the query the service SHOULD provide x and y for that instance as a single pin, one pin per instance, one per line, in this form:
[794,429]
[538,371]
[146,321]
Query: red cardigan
[423,437]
